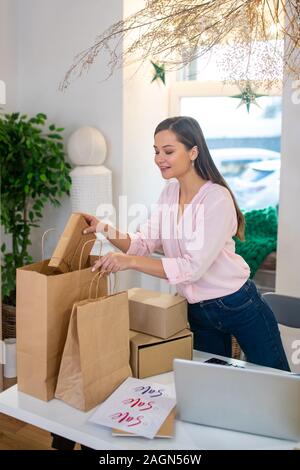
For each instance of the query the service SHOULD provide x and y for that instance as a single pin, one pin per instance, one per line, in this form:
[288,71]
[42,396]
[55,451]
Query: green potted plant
[33,172]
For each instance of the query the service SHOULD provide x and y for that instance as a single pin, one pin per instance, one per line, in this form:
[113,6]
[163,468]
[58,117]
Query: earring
[193,162]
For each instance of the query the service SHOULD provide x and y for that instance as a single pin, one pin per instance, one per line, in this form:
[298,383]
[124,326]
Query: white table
[60,418]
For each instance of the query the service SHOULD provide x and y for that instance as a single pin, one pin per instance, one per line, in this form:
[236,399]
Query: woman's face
[171,156]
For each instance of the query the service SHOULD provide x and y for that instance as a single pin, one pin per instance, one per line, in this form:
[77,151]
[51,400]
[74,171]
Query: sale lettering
[126,418]
[138,403]
[147,390]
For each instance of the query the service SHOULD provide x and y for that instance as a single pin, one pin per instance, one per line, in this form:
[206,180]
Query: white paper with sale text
[137,406]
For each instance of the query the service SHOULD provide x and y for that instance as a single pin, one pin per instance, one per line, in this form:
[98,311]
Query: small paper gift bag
[96,355]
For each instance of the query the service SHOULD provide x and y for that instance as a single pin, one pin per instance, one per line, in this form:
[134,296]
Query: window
[238,140]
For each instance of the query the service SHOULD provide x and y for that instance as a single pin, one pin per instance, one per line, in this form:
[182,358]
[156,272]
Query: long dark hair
[189,133]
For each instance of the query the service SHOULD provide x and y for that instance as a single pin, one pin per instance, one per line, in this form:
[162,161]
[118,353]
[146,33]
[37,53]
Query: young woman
[222,300]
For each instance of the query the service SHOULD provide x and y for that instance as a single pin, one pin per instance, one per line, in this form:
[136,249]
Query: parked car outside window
[253,174]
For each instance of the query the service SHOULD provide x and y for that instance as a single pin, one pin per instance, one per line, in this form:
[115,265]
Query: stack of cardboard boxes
[158,331]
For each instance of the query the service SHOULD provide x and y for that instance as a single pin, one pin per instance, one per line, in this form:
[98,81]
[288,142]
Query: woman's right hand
[94,224]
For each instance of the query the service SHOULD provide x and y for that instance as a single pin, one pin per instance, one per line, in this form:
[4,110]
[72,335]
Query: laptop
[251,400]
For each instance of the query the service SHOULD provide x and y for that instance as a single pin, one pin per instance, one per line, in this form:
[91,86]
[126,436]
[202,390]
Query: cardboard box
[155,313]
[150,355]
[73,248]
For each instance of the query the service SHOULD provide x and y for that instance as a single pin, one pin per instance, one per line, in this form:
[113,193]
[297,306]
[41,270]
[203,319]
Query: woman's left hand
[113,262]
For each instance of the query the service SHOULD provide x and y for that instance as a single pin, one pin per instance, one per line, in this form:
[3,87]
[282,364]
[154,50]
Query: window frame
[214,88]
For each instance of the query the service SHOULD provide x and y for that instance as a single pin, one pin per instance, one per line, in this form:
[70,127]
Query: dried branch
[177,32]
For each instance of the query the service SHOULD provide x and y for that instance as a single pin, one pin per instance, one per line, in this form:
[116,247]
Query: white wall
[145,104]
[8,51]
[288,249]
[39,41]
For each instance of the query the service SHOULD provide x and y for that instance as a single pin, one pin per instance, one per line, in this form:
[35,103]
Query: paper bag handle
[81,253]
[98,276]
[43,240]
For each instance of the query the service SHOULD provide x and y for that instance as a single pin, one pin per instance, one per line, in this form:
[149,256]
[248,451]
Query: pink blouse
[199,252]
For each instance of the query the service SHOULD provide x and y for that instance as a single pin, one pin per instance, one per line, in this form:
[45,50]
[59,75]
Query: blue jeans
[245,315]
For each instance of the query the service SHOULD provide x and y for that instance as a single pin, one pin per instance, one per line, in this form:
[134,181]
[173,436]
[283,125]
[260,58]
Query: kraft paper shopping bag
[45,300]
[96,355]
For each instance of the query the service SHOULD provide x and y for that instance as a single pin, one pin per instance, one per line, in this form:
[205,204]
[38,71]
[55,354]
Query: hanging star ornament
[247,97]
[159,72]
